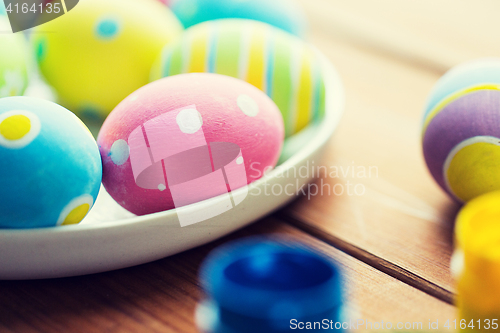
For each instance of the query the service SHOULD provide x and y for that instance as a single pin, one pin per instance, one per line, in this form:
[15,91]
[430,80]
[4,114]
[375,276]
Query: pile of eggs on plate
[184,87]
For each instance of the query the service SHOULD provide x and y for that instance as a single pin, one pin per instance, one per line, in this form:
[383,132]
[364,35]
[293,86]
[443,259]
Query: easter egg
[50,165]
[101,51]
[187,138]
[13,73]
[286,68]
[461,130]
[283,14]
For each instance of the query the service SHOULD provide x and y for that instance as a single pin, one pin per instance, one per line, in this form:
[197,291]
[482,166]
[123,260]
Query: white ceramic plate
[111,238]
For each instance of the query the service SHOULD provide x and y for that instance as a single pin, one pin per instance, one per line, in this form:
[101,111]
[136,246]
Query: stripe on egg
[186,50]
[318,107]
[257,61]
[305,95]
[296,51]
[164,65]
[452,97]
[271,41]
[198,51]
[176,58]
[464,158]
[159,67]
[246,36]
[282,85]
[212,41]
[226,63]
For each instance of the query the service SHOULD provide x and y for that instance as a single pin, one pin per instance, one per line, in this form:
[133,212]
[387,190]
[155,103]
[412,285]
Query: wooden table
[394,241]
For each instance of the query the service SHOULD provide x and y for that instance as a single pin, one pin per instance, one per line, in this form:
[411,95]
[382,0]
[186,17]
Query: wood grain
[402,216]
[161,296]
[432,35]
[372,260]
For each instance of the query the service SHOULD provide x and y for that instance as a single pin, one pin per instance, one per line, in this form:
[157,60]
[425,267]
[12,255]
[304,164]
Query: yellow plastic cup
[477,264]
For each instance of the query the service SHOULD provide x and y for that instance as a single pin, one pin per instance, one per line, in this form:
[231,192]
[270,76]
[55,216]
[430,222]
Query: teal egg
[50,166]
[284,14]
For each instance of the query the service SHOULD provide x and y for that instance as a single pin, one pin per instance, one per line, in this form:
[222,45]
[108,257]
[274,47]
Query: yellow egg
[101,51]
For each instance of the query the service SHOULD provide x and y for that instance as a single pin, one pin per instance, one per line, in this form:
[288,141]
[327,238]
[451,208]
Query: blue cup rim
[259,302]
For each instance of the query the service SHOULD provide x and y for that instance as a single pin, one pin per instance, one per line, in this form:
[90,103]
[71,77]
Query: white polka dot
[248,105]
[119,152]
[35,127]
[189,121]
[162,187]
[133,98]
[239,160]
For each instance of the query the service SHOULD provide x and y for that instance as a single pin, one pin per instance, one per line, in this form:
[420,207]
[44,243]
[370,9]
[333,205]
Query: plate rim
[334,111]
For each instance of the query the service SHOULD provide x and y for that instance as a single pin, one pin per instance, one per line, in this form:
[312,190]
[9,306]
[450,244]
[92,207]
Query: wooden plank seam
[372,260]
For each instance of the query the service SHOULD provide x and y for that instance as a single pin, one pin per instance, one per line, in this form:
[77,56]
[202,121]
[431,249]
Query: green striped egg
[285,67]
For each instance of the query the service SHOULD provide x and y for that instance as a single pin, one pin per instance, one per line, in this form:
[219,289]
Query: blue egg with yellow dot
[50,166]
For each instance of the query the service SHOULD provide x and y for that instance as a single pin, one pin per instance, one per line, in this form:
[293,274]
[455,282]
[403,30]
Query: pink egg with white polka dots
[187,138]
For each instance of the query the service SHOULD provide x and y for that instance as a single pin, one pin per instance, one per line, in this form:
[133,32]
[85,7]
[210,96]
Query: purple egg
[471,118]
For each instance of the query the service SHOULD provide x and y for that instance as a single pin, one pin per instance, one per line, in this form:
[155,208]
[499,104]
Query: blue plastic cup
[257,285]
